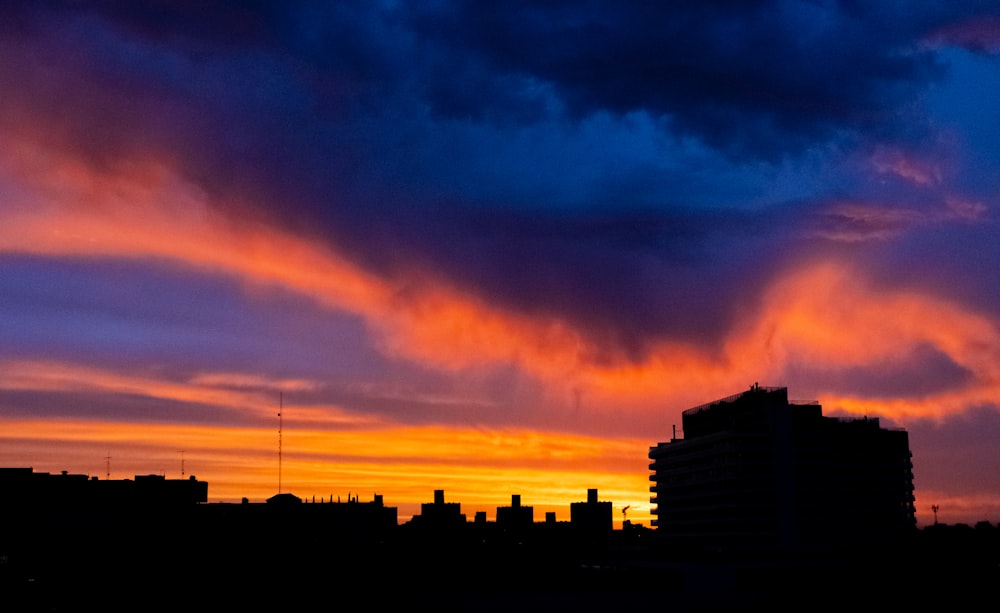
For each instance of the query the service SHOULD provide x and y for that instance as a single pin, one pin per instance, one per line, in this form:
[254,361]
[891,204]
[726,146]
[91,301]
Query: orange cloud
[822,314]
[827,314]
[152,214]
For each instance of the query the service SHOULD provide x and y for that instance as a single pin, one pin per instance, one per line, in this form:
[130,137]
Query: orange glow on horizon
[957,508]
[479,468]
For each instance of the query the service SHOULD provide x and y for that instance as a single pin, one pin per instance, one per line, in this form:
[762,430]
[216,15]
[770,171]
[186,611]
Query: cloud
[980,33]
[103,392]
[317,120]
[113,405]
[907,166]
[829,315]
[562,217]
[816,314]
[850,222]
[760,79]
[855,222]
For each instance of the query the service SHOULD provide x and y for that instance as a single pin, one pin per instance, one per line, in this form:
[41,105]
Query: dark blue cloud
[624,167]
[626,279]
[756,79]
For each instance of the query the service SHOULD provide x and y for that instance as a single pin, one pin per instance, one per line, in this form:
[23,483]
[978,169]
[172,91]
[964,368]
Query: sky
[493,249]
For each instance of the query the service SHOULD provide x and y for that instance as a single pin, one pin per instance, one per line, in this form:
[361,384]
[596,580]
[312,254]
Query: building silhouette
[592,517]
[516,516]
[32,492]
[71,540]
[755,473]
[439,515]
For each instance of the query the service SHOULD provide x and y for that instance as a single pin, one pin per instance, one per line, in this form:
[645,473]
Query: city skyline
[492,250]
[480,509]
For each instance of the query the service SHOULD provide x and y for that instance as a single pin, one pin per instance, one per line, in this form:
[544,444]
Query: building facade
[755,473]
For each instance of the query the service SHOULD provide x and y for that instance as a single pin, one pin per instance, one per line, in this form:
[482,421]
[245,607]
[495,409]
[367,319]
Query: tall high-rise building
[754,473]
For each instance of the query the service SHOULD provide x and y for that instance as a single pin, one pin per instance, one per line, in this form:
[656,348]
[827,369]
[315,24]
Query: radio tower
[281,406]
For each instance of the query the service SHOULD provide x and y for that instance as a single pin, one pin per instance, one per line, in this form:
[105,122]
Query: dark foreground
[231,570]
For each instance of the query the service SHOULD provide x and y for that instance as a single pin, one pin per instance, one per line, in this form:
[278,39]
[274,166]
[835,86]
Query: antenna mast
[281,406]
[107,459]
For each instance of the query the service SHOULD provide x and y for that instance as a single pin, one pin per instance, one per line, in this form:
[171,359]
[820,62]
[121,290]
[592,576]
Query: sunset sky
[492,248]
